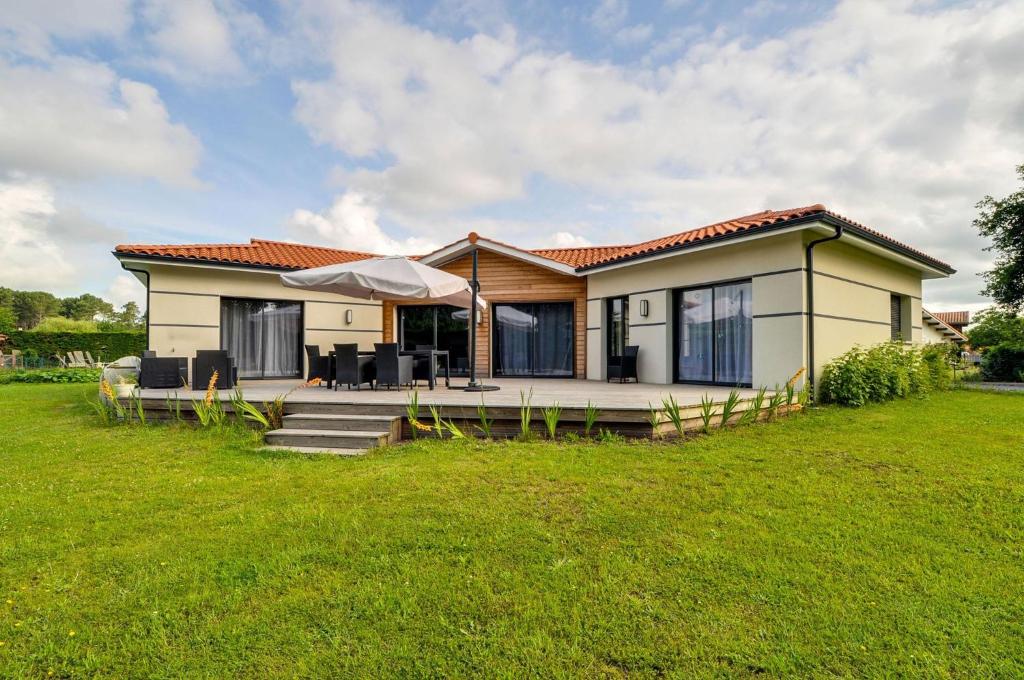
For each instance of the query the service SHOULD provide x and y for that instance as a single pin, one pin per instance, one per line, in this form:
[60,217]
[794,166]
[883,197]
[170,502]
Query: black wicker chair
[623,367]
[392,368]
[165,372]
[206,362]
[350,368]
[319,367]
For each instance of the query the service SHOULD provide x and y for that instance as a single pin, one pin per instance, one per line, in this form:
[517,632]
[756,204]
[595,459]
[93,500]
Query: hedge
[55,375]
[1003,363]
[110,346]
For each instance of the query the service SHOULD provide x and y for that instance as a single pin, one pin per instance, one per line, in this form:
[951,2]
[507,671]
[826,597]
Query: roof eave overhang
[463,247]
[931,269]
[135,258]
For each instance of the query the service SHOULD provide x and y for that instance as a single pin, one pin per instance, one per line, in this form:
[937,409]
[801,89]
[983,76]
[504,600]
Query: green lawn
[883,541]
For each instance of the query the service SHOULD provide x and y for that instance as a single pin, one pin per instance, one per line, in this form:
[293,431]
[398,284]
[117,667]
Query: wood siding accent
[505,279]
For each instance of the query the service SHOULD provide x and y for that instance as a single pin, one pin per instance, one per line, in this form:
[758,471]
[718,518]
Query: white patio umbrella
[386,278]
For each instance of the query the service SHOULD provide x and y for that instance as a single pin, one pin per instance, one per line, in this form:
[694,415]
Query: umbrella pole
[475,385]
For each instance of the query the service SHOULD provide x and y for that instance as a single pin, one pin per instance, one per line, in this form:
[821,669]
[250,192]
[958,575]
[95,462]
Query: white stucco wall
[184,308]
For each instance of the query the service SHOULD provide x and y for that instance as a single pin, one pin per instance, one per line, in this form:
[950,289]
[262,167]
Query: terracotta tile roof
[953,318]
[937,318]
[257,253]
[279,255]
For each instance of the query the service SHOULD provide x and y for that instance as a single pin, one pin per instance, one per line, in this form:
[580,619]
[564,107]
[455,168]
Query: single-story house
[746,301]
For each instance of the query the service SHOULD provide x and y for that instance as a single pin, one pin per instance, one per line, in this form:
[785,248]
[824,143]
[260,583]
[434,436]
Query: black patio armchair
[623,367]
[350,368]
[162,372]
[319,367]
[392,368]
[206,362]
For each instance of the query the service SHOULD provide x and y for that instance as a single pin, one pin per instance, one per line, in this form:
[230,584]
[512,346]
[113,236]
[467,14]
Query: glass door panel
[440,326]
[618,326]
[695,336]
[534,340]
[263,336]
[734,327]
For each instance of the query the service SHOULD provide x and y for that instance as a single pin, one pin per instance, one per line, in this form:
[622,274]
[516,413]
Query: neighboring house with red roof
[937,329]
[727,303]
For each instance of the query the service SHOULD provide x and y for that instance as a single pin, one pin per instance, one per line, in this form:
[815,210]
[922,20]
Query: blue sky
[402,125]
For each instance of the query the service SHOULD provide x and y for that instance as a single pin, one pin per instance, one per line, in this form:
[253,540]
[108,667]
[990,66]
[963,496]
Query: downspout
[810,303]
[143,271]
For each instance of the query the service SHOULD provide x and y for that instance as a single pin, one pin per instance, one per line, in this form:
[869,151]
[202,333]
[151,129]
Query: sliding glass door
[264,336]
[439,326]
[714,334]
[533,340]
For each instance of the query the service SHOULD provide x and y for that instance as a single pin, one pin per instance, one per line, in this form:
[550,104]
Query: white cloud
[27,26]
[901,115]
[351,224]
[76,118]
[193,40]
[30,259]
[631,35]
[609,14]
[565,239]
[126,288]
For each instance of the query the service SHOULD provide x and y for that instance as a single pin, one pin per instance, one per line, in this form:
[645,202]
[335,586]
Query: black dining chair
[206,362]
[623,367]
[319,367]
[392,368]
[350,368]
[423,368]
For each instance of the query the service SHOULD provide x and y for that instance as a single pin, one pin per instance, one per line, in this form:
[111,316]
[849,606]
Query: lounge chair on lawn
[76,360]
[63,362]
[93,363]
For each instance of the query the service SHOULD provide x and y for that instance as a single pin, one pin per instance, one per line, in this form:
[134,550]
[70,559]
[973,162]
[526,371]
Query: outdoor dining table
[433,354]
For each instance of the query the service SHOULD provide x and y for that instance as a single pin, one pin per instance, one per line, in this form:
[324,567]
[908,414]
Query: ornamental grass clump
[552,414]
[729,406]
[589,418]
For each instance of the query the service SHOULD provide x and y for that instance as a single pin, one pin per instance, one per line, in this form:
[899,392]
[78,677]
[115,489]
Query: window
[534,340]
[896,317]
[618,326]
[714,334]
[442,327]
[264,336]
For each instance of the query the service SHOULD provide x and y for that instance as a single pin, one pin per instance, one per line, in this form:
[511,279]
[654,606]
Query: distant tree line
[37,310]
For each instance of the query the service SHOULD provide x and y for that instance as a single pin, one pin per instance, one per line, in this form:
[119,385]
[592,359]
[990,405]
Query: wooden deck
[570,394]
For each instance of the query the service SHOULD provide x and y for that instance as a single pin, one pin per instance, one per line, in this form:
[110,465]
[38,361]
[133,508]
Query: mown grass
[883,541]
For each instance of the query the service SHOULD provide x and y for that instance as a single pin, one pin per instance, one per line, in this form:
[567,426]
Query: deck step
[315,450]
[327,439]
[328,421]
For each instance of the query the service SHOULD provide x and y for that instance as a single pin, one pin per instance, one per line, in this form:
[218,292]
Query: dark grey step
[330,421]
[326,439]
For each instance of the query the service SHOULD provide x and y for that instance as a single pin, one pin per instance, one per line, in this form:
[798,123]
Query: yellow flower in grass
[71,633]
[107,390]
[211,388]
[420,426]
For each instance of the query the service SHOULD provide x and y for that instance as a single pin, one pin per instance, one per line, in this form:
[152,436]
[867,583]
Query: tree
[7,321]
[128,319]
[85,307]
[995,326]
[31,307]
[1003,222]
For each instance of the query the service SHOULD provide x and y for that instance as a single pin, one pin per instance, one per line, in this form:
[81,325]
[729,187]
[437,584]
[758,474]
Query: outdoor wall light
[644,308]
[348,316]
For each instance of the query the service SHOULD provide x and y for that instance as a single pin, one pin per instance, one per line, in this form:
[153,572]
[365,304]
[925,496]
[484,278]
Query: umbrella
[386,278]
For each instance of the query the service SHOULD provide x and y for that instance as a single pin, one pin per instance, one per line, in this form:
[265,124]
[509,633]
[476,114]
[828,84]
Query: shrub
[1004,362]
[883,372]
[110,346]
[55,375]
[60,324]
